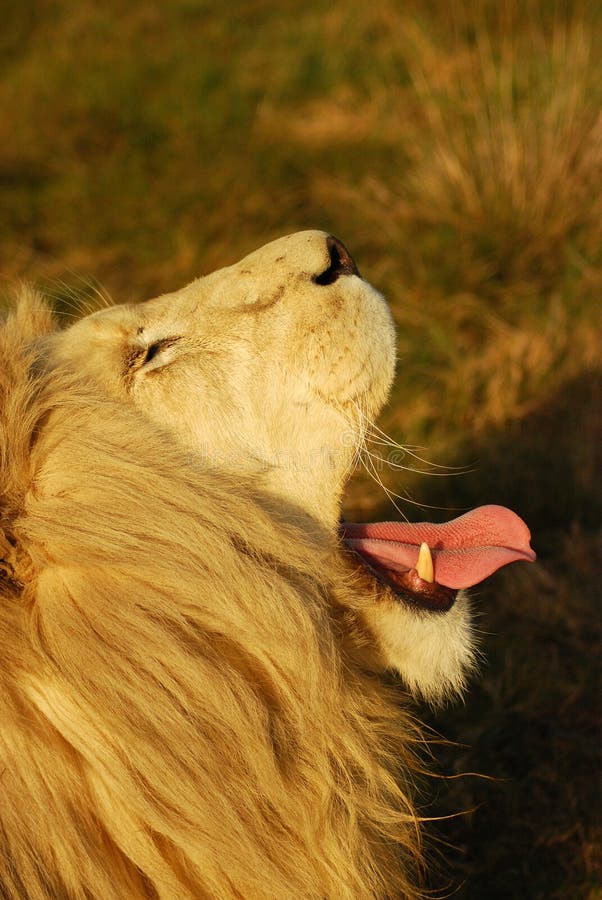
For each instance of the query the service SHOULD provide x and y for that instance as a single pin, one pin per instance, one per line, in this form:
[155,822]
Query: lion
[192,640]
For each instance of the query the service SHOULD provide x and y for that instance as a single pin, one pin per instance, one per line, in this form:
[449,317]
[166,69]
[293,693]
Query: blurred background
[456,148]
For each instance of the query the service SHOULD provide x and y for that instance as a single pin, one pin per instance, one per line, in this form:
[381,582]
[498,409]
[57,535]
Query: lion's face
[267,367]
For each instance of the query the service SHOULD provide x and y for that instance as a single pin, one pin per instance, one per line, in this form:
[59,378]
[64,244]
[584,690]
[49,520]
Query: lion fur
[179,715]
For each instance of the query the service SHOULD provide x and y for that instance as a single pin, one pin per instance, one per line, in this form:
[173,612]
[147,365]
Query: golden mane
[179,716]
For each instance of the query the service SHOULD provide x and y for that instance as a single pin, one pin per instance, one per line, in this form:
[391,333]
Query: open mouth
[426,565]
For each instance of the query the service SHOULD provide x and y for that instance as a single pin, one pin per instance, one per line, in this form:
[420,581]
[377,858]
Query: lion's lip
[464,551]
[410,587]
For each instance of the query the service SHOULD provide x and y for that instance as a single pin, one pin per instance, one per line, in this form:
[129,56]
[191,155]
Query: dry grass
[457,150]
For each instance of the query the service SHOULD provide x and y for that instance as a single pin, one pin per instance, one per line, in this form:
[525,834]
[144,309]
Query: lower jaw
[409,588]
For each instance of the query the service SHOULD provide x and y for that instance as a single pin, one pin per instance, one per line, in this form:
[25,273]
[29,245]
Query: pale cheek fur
[433,653]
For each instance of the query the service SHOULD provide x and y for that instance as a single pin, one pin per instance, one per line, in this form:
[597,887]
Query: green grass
[456,150]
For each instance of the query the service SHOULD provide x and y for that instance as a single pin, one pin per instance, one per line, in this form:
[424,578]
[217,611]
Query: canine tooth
[424,566]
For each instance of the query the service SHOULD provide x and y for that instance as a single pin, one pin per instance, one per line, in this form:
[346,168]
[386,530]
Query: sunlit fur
[259,371]
[190,694]
[180,716]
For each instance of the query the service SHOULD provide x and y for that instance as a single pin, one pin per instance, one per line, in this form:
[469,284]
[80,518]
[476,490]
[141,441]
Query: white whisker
[372,472]
[372,434]
[75,301]
[397,465]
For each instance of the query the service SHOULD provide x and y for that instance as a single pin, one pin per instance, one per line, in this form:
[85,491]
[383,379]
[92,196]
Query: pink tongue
[465,550]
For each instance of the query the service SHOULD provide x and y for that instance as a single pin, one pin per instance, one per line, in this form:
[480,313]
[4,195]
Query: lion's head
[188,698]
[263,369]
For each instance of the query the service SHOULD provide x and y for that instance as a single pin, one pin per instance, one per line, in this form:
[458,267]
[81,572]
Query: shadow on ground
[531,719]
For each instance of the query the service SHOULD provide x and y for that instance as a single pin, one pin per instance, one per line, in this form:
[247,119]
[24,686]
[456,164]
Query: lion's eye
[154,356]
[152,351]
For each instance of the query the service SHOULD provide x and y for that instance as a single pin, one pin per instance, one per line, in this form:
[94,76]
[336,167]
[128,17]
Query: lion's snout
[341,262]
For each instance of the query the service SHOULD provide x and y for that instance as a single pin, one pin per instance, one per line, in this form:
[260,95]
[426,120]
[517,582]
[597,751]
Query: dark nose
[341,262]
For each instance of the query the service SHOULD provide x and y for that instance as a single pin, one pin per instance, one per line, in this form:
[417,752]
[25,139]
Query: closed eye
[150,357]
[153,349]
